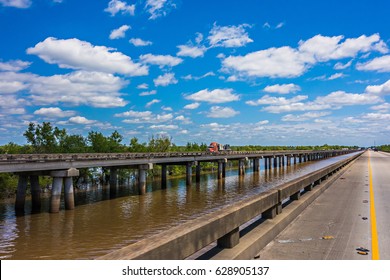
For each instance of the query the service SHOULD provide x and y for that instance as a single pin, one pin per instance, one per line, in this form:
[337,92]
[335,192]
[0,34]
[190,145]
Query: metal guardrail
[186,239]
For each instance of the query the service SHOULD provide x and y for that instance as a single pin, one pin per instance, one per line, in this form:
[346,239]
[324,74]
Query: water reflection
[108,218]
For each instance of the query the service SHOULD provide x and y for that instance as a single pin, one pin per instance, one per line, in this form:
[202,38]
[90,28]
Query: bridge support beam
[68,193]
[61,177]
[163,176]
[222,168]
[113,177]
[21,193]
[275,162]
[198,170]
[142,177]
[256,165]
[35,193]
[189,173]
[241,167]
[288,160]
[265,163]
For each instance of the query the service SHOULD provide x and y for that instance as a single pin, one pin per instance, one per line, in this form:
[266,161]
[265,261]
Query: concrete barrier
[222,225]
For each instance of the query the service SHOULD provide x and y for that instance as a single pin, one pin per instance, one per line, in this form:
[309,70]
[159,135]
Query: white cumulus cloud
[120,32]
[14,65]
[16,3]
[158,8]
[192,106]
[161,60]
[165,80]
[380,64]
[116,6]
[191,51]
[137,42]
[214,96]
[222,112]
[54,112]
[76,54]
[229,36]
[383,89]
[282,89]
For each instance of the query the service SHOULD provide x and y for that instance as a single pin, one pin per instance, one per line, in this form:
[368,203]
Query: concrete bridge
[62,167]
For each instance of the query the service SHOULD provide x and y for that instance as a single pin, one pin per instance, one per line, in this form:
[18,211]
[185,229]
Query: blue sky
[239,72]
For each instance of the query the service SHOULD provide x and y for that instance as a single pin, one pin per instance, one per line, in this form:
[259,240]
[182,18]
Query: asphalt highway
[349,221]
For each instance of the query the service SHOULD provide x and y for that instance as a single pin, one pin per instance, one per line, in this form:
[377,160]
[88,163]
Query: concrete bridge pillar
[113,176]
[56,190]
[68,193]
[295,160]
[265,163]
[256,165]
[164,176]
[142,177]
[241,167]
[288,160]
[280,161]
[275,162]
[283,160]
[198,170]
[21,193]
[35,193]
[222,168]
[189,173]
[59,178]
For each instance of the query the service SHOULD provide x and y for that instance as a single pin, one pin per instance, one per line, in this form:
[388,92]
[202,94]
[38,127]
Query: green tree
[44,138]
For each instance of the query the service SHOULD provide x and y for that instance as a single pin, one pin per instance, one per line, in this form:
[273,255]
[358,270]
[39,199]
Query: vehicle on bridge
[215,147]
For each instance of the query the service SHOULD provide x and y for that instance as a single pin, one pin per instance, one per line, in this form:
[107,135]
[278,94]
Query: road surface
[353,212]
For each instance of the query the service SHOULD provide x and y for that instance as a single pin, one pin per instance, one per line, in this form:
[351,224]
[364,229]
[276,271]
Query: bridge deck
[340,220]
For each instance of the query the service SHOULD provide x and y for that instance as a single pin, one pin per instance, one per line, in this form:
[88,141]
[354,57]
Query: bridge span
[62,167]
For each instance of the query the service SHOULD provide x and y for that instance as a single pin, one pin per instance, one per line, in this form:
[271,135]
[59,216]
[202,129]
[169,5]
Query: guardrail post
[270,213]
[295,196]
[230,239]
[35,193]
[21,193]
[309,188]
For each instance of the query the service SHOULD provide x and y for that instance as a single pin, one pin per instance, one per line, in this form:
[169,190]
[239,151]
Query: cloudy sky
[241,72]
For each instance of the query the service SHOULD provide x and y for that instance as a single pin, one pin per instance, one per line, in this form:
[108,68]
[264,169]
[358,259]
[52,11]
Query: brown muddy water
[103,220]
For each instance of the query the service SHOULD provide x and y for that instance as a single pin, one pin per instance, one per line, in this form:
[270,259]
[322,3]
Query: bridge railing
[6,158]
[222,225]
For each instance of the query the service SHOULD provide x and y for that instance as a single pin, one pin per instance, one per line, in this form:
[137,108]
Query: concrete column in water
[265,163]
[35,193]
[163,176]
[68,193]
[113,176]
[56,190]
[288,160]
[198,170]
[142,177]
[295,160]
[58,179]
[21,193]
[222,168]
[280,161]
[275,162]
[256,165]
[189,173]
[241,167]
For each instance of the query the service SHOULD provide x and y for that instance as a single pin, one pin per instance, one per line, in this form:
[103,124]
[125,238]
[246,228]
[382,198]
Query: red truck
[215,147]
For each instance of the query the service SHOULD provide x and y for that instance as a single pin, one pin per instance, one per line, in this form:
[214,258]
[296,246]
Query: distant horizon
[253,72]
